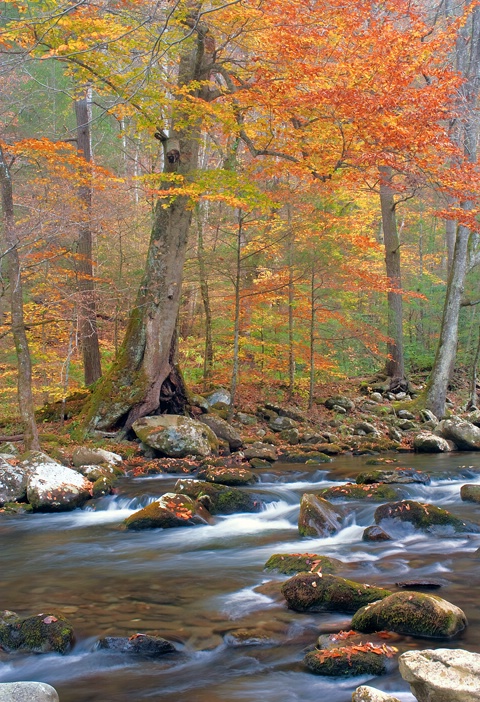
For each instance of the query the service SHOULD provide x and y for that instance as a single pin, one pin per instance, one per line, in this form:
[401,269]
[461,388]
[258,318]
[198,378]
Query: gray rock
[247,419]
[223,430]
[13,480]
[406,424]
[442,675]
[376,397]
[395,434]
[52,487]
[365,427]
[466,436]
[339,409]
[405,414]
[27,692]
[138,644]
[470,493]
[340,401]
[428,416]
[291,436]
[176,436]
[267,452]
[290,412]
[427,442]
[411,614]
[281,423]
[370,694]
[318,517]
[221,396]
[83,456]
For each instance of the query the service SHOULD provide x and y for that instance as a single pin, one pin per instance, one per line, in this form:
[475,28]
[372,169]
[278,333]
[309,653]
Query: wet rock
[291,563]
[103,486]
[176,436]
[13,480]
[442,675]
[219,499]
[375,533]
[83,456]
[223,430]
[427,442]
[315,592]
[465,436]
[52,487]
[267,452]
[318,517]
[304,456]
[421,584]
[259,463]
[470,493]
[227,476]
[423,516]
[279,424]
[340,401]
[170,511]
[411,614]
[375,492]
[27,692]
[370,694]
[348,661]
[41,633]
[249,637]
[400,476]
[17,508]
[138,644]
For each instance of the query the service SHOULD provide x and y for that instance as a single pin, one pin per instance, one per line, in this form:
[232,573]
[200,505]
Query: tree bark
[87,308]
[145,363]
[24,385]
[395,365]
[236,325]
[204,291]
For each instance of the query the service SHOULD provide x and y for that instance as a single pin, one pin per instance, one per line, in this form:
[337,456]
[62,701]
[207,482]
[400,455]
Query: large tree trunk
[87,310]
[133,387]
[395,365]
[25,397]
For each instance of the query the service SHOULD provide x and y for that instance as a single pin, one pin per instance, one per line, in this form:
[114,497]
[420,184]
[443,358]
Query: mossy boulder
[378,492]
[219,499]
[304,457]
[170,511]
[223,430]
[315,592]
[348,653]
[424,516]
[291,563]
[41,633]
[402,476]
[176,436]
[470,493]
[103,486]
[227,476]
[138,644]
[318,517]
[411,614]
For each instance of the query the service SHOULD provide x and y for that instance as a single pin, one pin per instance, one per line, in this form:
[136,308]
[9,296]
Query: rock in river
[52,487]
[412,614]
[442,675]
[364,693]
[318,517]
[138,644]
[314,592]
[27,692]
[41,633]
[170,511]
[424,516]
[219,499]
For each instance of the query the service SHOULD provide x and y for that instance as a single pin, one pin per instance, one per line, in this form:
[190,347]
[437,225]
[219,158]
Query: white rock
[27,692]
[53,487]
[370,694]
[426,442]
[442,675]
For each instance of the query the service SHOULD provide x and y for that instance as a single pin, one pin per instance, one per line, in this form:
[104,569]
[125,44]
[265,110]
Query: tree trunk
[25,396]
[145,364]
[87,309]
[236,326]
[311,384]
[291,301]
[204,291]
[395,365]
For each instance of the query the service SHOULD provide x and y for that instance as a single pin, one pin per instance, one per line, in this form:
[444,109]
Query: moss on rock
[423,516]
[170,511]
[373,492]
[219,499]
[41,633]
[291,563]
[318,517]
[347,661]
[309,592]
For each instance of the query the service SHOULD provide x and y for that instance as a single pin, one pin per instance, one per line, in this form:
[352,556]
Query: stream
[195,585]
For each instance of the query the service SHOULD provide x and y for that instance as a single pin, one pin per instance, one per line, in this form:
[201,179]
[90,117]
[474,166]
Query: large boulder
[318,517]
[400,476]
[218,499]
[292,563]
[223,430]
[52,487]
[266,452]
[317,592]
[41,633]
[411,614]
[442,675]
[364,693]
[349,661]
[424,516]
[85,456]
[427,442]
[470,493]
[378,492]
[282,423]
[465,435]
[13,480]
[171,510]
[176,436]
[27,692]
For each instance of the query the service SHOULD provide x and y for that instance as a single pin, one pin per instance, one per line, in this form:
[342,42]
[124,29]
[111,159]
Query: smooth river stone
[442,675]
[27,692]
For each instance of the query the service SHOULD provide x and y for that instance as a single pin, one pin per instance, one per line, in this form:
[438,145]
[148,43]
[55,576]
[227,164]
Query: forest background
[296,181]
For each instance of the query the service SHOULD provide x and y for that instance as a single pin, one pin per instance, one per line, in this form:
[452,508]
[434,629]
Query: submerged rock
[170,511]
[138,644]
[314,592]
[412,614]
[41,633]
[442,675]
[372,492]
[318,517]
[219,499]
[27,692]
[423,516]
[176,436]
[290,563]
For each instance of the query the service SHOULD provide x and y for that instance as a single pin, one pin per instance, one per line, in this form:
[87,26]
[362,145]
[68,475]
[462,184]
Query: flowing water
[194,585]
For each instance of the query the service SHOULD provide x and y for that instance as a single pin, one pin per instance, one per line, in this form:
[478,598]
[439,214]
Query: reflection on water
[193,586]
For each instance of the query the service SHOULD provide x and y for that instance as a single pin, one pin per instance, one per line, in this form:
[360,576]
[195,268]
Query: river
[195,585]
